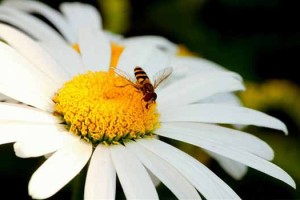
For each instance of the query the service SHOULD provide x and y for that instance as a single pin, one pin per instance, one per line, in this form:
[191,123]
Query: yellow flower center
[102,107]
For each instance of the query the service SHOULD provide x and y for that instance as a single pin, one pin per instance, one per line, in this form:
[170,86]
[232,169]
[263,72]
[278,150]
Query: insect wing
[125,76]
[162,75]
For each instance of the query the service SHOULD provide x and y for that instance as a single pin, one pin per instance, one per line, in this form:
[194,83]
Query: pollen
[101,107]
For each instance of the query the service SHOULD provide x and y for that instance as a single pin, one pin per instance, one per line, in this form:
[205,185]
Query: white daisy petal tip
[277,124]
[293,184]
[286,178]
[285,129]
[18,150]
[38,192]
[59,169]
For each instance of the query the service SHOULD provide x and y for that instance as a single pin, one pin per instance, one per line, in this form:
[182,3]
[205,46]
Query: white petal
[22,96]
[47,143]
[8,137]
[154,179]
[153,40]
[22,81]
[81,15]
[18,131]
[157,61]
[101,176]
[226,99]
[223,98]
[195,64]
[216,113]
[49,13]
[218,135]
[232,152]
[17,112]
[196,87]
[10,133]
[114,36]
[95,49]
[4,98]
[59,169]
[187,66]
[206,182]
[165,172]
[150,58]
[31,25]
[135,180]
[65,56]
[34,53]
[235,169]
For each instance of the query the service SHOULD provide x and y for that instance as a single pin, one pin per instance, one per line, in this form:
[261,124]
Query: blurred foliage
[116,15]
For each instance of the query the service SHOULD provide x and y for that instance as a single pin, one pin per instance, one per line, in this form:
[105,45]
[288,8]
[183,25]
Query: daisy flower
[81,110]
[68,23]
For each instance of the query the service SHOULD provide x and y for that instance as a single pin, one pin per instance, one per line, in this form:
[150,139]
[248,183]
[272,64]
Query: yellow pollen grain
[102,107]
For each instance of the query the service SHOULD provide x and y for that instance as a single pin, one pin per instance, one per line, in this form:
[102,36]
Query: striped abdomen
[141,76]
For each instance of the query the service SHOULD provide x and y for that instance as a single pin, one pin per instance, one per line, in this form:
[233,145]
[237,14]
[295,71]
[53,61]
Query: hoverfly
[143,83]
